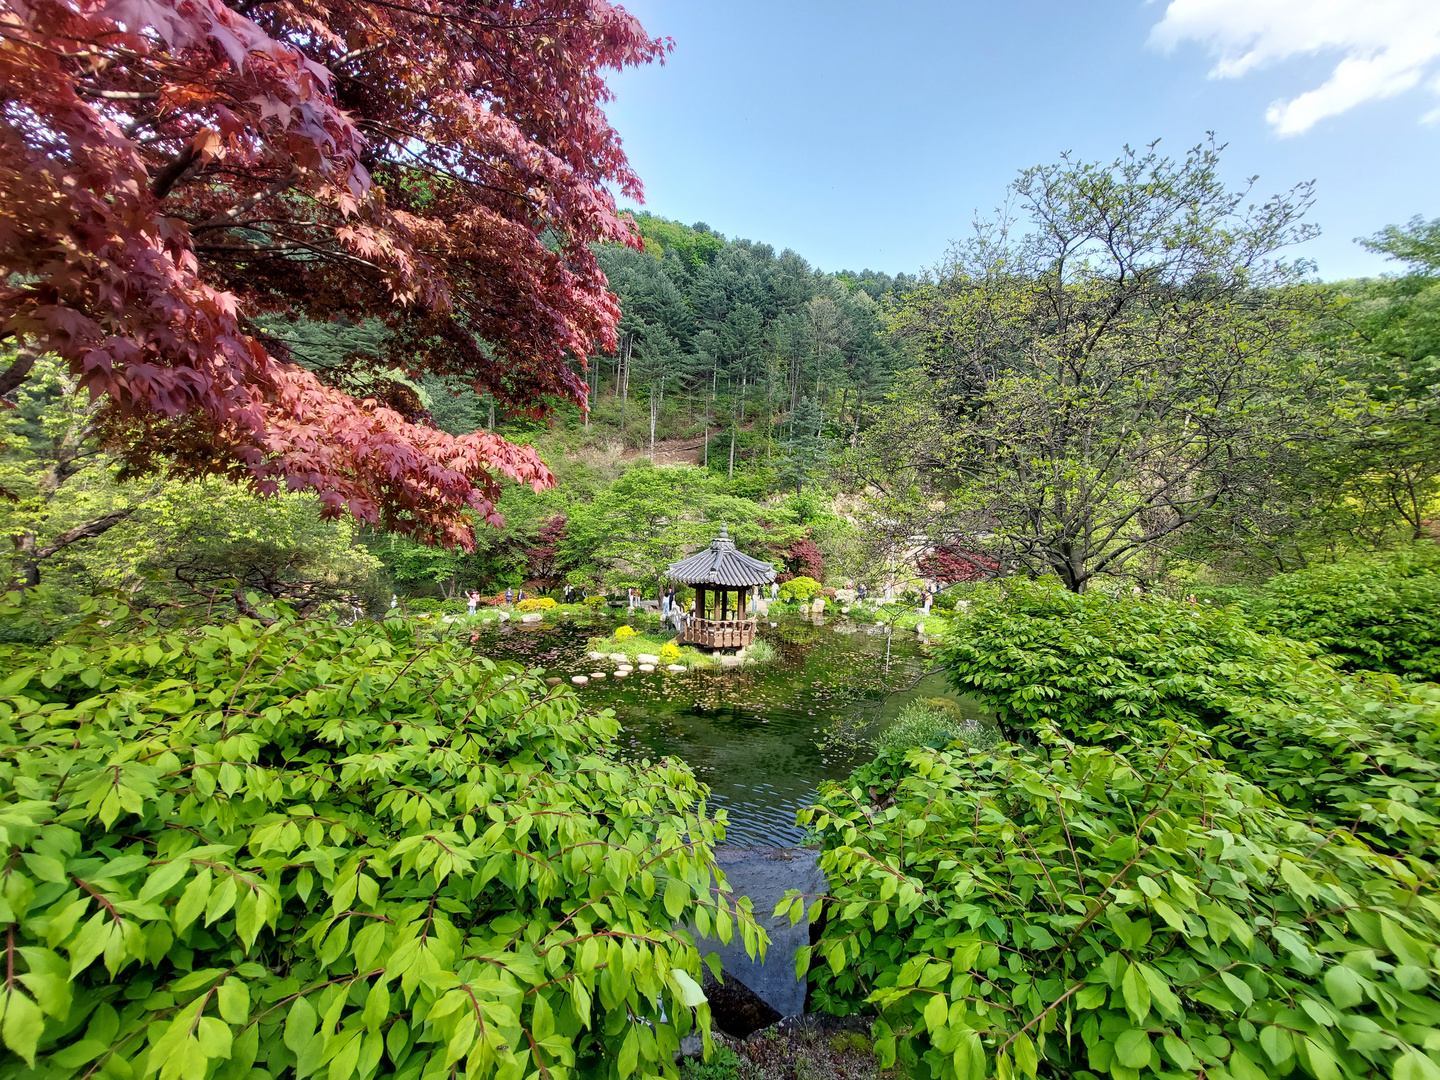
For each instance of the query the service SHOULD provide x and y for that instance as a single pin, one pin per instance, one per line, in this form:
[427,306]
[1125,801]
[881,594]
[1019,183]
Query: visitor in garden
[861,591]
[472,598]
[509,596]
[774,590]
[569,593]
[929,599]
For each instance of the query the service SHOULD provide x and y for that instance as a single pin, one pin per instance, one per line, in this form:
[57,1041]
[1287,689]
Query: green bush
[1380,613]
[936,722]
[249,851]
[1078,912]
[761,651]
[800,588]
[1121,671]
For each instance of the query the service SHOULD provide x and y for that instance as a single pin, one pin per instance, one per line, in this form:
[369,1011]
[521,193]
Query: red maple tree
[949,565]
[173,169]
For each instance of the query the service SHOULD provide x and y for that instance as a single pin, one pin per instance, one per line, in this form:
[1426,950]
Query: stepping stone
[597,674]
[532,617]
[647,667]
[553,682]
[622,674]
[678,669]
[619,657]
[579,680]
[647,658]
[595,656]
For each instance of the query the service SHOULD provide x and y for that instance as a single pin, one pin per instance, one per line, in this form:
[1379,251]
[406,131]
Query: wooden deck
[720,633]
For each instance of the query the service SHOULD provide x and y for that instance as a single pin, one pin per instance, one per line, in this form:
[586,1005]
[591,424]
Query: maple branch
[18,371]
[167,177]
[89,530]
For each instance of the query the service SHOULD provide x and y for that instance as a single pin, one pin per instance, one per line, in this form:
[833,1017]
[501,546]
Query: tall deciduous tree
[1121,365]
[171,170]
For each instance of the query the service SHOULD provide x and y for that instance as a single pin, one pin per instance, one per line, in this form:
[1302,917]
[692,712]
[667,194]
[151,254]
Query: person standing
[509,596]
[472,598]
[774,590]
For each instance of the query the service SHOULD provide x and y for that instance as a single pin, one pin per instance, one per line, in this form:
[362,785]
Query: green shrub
[247,851]
[1380,613]
[1080,912]
[535,603]
[595,603]
[761,652]
[1121,671]
[800,588]
[936,722]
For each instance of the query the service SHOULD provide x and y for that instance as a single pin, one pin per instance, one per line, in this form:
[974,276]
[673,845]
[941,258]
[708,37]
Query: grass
[650,644]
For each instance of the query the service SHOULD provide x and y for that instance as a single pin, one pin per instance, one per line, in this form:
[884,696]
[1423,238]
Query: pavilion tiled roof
[721,564]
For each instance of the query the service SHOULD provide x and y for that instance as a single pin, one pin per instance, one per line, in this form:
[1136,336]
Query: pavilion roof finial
[721,564]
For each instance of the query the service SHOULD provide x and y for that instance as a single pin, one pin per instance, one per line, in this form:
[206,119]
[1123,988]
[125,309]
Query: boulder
[647,658]
[678,669]
[502,616]
[734,1008]
[532,617]
[619,657]
[647,667]
[595,656]
[579,680]
[817,605]
[919,628]
[844,596]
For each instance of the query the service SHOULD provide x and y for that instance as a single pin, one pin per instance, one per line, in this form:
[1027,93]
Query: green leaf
[629,1055]
[1345,987]
[1136,991]
[1132,1048]
[1178,1052]
[937,1010]
[234,1000]
[687,989]
[23,1024]
[1026,1059]
[1277,1044]
[677,895]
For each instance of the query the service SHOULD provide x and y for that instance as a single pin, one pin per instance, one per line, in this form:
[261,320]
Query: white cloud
[1388,47]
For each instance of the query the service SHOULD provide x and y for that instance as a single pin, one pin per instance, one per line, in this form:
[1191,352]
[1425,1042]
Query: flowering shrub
[595,603]
[535,603]
[669,652]
[623,632]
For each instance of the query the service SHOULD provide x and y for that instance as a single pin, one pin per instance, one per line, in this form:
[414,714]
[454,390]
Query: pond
[764,736]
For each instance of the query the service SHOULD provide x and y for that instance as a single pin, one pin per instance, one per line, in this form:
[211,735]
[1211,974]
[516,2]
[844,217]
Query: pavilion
[722,578]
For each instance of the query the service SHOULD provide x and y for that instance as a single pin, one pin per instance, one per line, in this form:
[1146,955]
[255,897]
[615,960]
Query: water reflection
[762,737]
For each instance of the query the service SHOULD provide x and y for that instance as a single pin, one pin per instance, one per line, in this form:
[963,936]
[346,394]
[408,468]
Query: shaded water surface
[763,737]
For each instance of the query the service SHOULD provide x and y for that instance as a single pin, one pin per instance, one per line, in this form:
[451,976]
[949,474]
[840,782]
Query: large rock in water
[764,875]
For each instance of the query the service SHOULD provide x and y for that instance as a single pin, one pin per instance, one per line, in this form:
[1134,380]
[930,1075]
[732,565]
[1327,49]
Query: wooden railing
[720,633]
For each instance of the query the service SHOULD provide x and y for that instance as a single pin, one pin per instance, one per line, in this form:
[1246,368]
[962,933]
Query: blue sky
[867,135]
